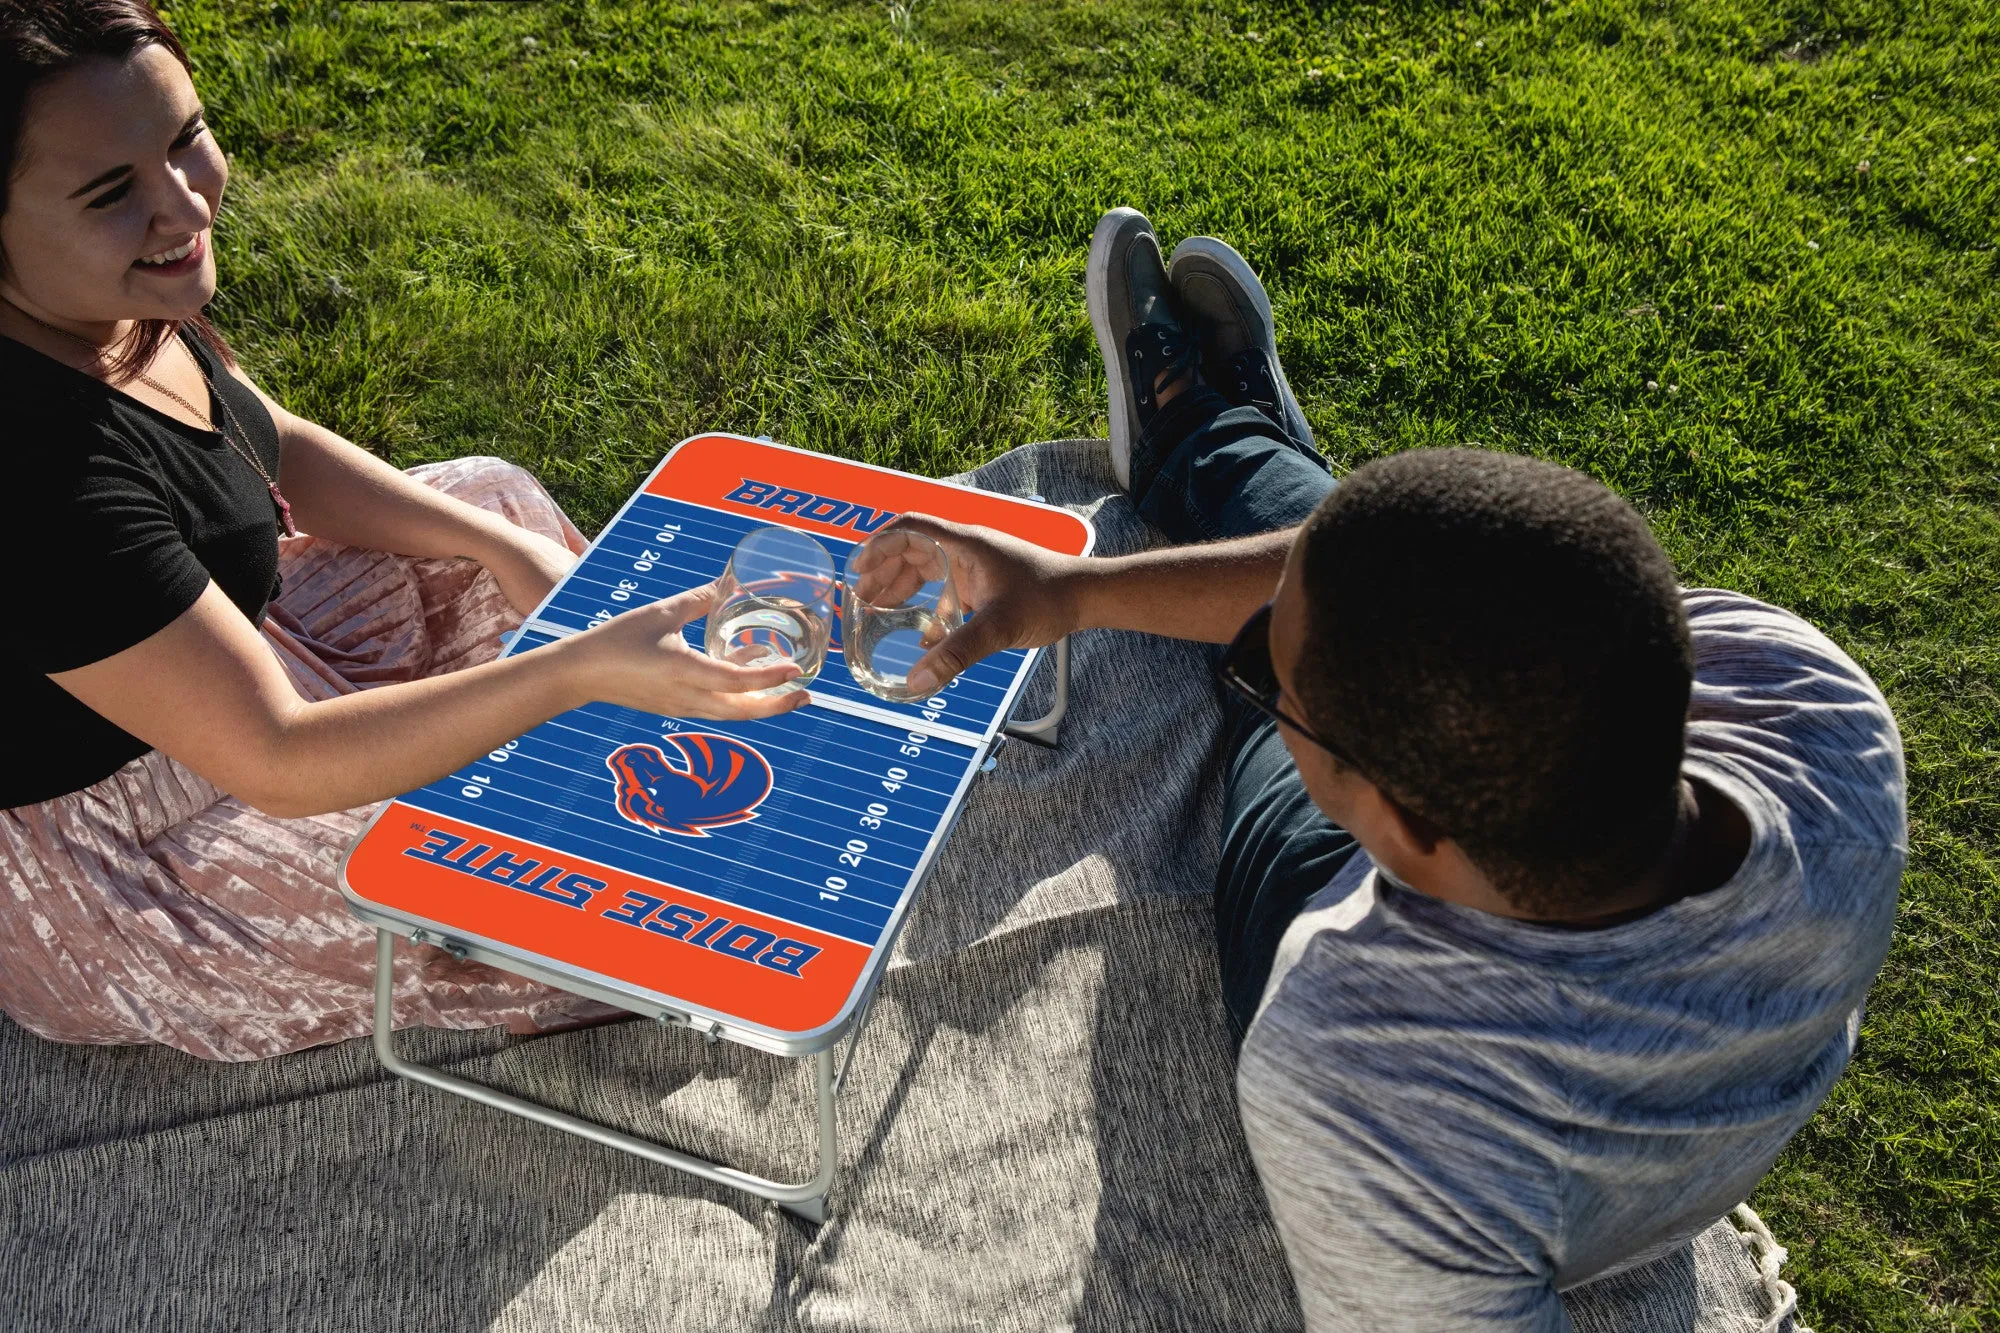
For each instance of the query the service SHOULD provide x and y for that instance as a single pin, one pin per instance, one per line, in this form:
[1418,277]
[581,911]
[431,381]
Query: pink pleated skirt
[152,907]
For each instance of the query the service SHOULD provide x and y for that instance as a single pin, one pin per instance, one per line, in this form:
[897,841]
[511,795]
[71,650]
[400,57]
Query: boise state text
[661,916]
[825,509]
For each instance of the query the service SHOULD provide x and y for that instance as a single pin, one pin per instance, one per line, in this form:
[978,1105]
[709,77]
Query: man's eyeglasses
[1246,670]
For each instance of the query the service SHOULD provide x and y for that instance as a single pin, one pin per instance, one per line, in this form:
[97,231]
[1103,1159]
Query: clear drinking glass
[774,603]
[897,603]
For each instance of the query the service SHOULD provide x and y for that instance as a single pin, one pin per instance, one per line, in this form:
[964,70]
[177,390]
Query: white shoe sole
[1097,291]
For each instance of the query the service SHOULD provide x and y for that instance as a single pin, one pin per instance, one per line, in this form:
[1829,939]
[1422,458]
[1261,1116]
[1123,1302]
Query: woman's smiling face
[114,194]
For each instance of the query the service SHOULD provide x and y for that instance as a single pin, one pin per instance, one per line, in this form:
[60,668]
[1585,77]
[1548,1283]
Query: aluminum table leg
[808,1200]
[1046,730]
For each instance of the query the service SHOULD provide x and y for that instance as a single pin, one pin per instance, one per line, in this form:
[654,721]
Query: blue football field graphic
[851,807]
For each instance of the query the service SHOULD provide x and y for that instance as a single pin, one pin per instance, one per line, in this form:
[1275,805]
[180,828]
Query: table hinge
[451,946]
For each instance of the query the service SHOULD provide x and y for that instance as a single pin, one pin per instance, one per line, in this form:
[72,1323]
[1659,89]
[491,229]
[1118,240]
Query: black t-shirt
[116,519]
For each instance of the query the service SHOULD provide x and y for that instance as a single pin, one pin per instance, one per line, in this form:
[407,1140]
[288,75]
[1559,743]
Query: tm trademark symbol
[418,828]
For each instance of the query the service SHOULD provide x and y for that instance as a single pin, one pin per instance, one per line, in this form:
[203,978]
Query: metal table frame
[808,1199]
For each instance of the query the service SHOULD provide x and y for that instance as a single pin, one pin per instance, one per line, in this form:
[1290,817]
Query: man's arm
[1028,597]
[1203,593]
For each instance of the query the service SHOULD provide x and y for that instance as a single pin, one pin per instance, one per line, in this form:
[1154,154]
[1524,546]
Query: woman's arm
[208,691]
[345,494]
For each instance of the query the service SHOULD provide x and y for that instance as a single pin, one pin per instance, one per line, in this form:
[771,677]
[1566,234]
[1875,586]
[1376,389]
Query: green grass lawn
[1736,259]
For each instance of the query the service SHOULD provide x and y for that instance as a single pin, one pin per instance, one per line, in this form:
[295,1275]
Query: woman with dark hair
[207,700]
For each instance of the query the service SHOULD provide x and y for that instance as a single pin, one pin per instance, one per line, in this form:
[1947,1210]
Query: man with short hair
[1550,892]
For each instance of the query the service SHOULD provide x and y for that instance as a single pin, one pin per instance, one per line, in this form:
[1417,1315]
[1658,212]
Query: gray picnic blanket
[1039,1132]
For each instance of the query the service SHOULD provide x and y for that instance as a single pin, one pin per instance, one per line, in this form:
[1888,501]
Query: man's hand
[1024,595]
[1028,597]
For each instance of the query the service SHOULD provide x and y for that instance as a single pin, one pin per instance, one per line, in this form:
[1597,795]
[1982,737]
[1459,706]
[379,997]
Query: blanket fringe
[1769,1257]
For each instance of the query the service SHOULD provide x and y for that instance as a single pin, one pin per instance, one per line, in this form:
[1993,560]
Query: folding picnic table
[743,879]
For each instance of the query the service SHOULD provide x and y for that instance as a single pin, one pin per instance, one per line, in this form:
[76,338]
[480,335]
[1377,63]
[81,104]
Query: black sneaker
[1239,346]
[1132,311]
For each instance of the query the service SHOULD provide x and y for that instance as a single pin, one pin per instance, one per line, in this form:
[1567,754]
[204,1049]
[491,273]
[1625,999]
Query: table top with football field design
[752,875]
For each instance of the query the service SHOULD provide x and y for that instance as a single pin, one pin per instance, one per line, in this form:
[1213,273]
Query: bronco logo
[718,781]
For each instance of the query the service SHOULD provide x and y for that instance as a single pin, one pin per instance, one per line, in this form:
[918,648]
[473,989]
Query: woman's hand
[526,565]
[640,660]
[1025,595]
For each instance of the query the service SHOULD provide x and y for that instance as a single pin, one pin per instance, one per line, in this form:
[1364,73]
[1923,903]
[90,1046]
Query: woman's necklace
[243,451]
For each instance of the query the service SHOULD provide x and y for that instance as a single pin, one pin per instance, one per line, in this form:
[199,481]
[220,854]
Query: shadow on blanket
[1039,1132]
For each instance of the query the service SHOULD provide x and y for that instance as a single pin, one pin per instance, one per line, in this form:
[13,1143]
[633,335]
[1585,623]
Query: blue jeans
[1203,471]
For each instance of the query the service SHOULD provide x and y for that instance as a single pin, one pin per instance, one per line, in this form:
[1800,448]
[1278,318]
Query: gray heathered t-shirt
[1457,1115]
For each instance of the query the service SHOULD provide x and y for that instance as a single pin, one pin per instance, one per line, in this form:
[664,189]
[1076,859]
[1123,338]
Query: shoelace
[1253,378]
[1153,350]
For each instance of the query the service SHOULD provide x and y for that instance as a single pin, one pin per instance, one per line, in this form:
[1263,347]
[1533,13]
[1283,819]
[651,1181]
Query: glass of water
[774,603]
[897,603]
